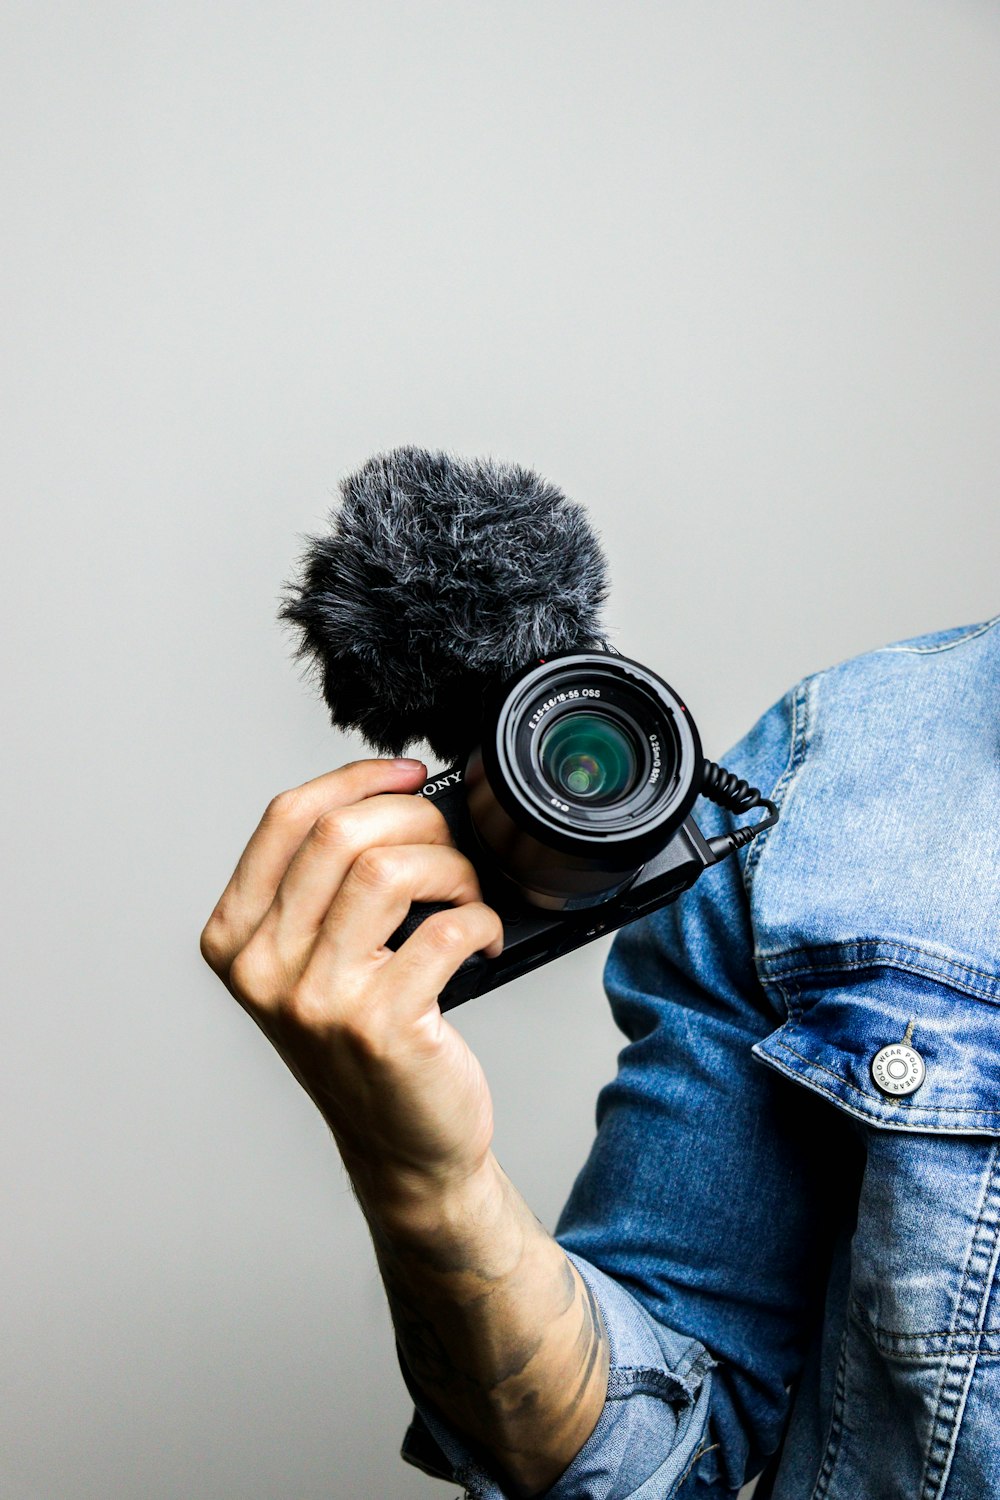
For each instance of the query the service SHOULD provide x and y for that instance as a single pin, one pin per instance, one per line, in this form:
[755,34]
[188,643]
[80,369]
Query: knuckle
[335,828]
[213,941]
[248,973]
[446,931]
[286,807]
[380,869]
[307,1005]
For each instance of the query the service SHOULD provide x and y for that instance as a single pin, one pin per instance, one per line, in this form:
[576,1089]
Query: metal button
[898,1069]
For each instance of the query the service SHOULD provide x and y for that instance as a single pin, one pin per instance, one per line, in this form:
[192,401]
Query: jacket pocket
[845,1008]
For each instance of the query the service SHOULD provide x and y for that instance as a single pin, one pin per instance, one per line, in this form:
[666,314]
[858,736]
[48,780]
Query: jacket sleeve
[699,1218]
[645,1438]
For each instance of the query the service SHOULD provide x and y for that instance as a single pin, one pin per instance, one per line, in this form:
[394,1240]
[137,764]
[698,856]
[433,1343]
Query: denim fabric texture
[798,1269]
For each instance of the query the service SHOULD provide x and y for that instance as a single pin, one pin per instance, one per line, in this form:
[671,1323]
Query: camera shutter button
[898,1069]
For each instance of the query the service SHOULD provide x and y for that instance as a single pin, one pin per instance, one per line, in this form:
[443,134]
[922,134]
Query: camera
[457,602]
[575,809]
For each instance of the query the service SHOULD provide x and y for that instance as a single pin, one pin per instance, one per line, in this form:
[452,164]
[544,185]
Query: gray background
[727,274]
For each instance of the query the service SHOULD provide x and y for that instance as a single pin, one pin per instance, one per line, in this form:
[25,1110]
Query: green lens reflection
[589,757]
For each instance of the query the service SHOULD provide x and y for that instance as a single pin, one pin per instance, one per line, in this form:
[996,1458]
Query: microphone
[439,578]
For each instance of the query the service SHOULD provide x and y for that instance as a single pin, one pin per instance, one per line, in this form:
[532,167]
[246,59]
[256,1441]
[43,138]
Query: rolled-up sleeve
[648,1434]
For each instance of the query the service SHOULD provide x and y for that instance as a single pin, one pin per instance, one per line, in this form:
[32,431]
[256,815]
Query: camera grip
[466,978]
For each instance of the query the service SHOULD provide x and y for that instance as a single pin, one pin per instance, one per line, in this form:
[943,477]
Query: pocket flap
[841,1017]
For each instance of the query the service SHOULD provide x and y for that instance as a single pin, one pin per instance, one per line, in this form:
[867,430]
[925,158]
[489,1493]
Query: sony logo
[440,784]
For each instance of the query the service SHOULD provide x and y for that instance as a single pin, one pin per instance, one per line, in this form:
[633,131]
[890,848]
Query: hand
[298,938]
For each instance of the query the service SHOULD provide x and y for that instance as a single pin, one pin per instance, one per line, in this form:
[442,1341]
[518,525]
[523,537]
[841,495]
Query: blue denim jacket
[796,1259]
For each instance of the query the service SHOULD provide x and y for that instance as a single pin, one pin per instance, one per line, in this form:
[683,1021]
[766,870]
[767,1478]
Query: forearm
[496,1325]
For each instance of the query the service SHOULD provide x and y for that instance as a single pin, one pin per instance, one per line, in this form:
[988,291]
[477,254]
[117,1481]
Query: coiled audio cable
[730,791]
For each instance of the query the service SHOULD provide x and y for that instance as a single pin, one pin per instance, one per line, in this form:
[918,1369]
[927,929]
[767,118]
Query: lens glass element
[589,757]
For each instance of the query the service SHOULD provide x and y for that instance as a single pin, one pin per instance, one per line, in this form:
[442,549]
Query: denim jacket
[790,1215]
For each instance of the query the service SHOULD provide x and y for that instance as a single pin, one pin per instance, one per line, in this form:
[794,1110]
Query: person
[783,1245]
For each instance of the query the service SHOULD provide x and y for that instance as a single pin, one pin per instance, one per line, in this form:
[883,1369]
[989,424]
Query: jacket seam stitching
[709,1448]
[836,1428]
[797,751]
[945,645]
[878,1333]
[833,964]
[958,1343]
[958,1366]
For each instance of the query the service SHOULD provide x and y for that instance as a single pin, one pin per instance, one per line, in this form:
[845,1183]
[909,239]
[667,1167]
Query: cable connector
[727,843]
[727,790]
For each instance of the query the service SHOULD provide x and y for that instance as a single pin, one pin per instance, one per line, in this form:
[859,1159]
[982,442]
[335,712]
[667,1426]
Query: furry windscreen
[439,577]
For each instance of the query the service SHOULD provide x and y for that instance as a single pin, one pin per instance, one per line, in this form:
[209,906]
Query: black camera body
[574,808]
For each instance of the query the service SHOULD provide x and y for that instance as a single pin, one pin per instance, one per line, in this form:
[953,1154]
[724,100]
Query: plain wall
[726,274]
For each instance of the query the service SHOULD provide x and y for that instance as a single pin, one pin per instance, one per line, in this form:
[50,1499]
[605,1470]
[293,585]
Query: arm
[497,1327]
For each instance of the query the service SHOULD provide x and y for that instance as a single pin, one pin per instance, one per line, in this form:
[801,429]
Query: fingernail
[405,763]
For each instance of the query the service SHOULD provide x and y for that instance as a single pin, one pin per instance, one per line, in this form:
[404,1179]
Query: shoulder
[883,694]
[890,803]
[896,688]
[885,768]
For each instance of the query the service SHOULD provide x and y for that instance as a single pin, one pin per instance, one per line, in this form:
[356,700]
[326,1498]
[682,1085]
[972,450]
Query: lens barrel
[588,764]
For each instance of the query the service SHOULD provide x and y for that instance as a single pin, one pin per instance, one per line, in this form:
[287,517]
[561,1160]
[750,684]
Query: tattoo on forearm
[593,1325]
[437,1298]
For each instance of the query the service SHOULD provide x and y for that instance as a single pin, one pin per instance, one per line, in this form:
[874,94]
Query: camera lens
[590,757]
[587,765]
